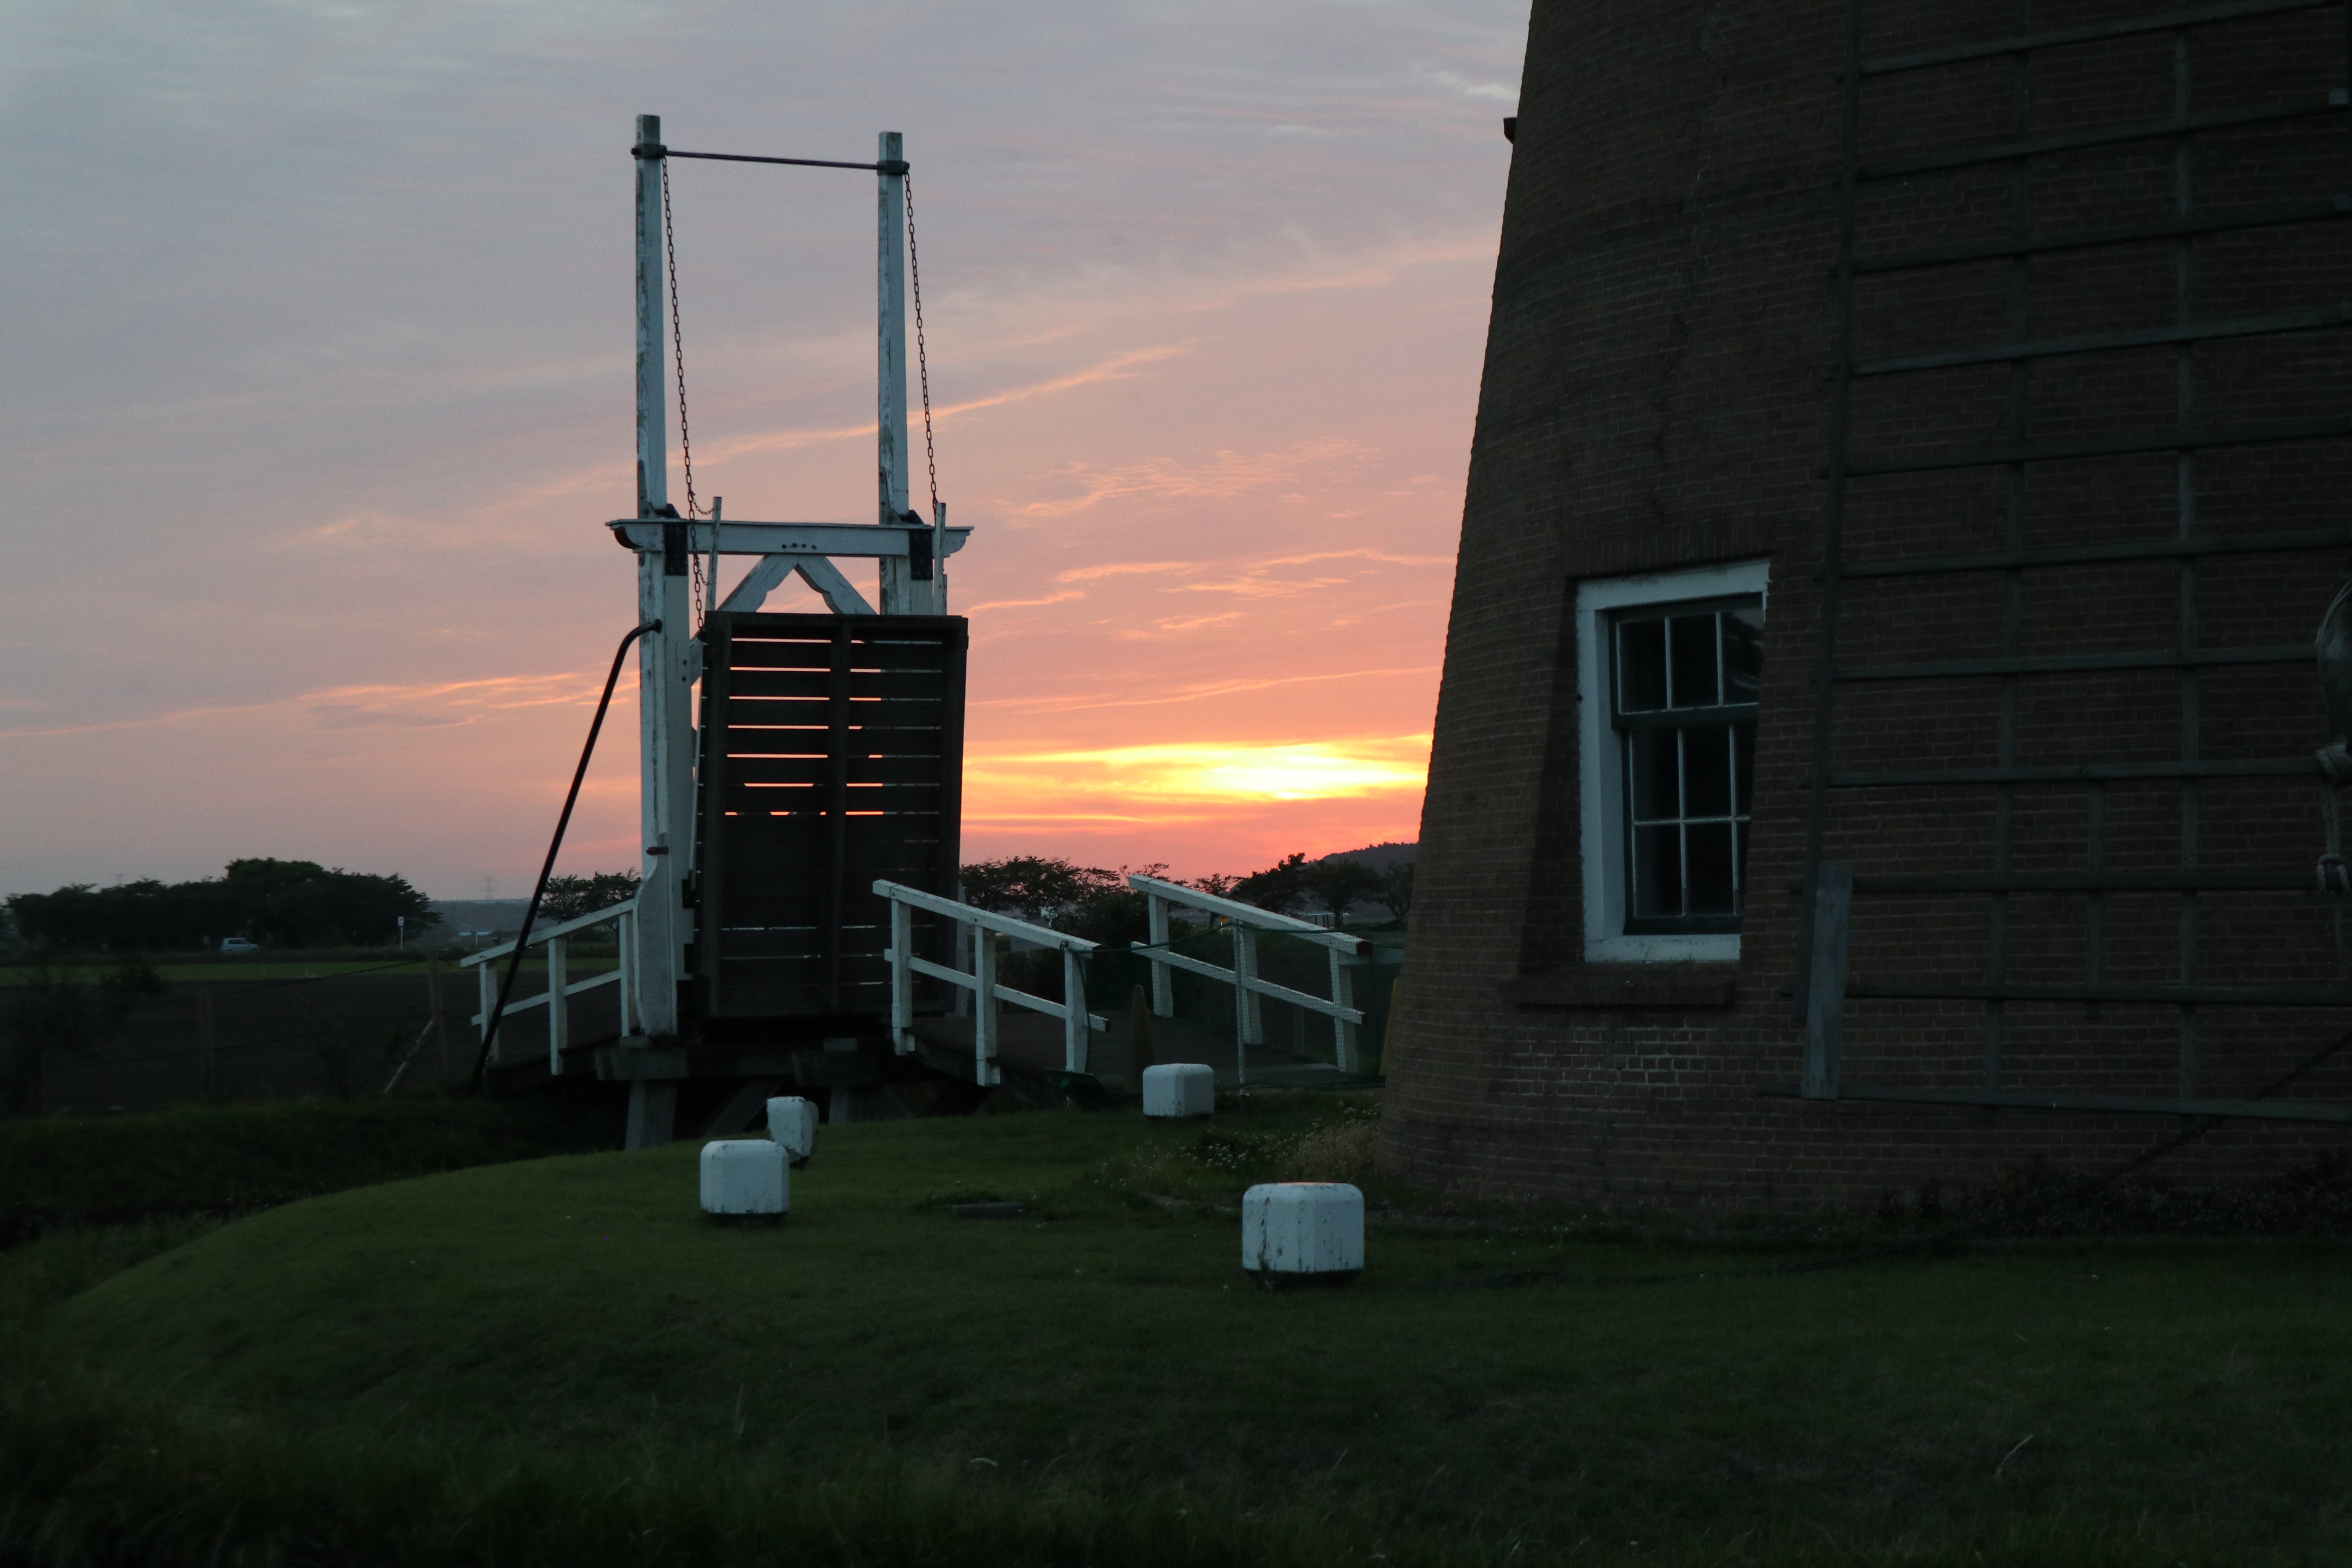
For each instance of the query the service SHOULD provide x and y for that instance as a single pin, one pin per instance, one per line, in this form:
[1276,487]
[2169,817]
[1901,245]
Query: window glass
[1686,683]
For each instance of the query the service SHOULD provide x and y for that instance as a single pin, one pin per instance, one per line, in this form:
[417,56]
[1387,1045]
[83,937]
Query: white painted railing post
[983,1008]
[1343,993]
[559,1002]
[1163,989]
[902,977]
[624,936]
[1074,1020]
[486,988]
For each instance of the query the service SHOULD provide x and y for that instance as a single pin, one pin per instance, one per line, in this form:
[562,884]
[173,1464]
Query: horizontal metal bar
[2123,1104]
[2091,239]
[2098,555]
[2068,664]
[2151,995]
[1263,987]
[2084,772]
[1094,1021]
[1687,717]
[656,150]
[2098,32]
[782,537]
[2107,136]
[2305,881]
[1043,936]
[547,933]
[2106,342]
[2190,440]
[1248,914]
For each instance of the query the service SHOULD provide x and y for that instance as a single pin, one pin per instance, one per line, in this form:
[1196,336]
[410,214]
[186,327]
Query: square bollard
[791,1121]
[1303,1233]
[743,1180]
[1179,1090]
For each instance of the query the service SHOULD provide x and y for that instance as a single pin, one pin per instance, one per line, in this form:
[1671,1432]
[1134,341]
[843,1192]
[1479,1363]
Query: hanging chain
[678,358]
[922,356]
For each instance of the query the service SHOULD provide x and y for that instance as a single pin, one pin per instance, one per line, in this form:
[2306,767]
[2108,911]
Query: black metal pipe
[656,150]
[554,845]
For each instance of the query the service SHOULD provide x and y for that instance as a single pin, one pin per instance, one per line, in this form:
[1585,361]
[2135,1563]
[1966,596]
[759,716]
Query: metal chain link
[922,355]
[677,359]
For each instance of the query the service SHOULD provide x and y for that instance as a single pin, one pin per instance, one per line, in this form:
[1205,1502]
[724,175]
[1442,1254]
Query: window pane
[1657,796]
[1743,740]
[1657,872]
[1694,643]
[1706,771]
[1710,868]
[1743,652]
[1641,666]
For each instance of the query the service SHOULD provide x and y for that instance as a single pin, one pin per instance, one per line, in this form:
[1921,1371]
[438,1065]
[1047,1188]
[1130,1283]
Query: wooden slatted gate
[832,756]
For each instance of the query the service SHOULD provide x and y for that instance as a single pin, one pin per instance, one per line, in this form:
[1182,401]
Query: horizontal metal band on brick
[2097,32]
[2123,1104]
[2105,136]
[2083,773]
[2094,239]
[2147,995]
[2100,555]
[2300,880]
[2109,342]
[2185,440]
[2079,663]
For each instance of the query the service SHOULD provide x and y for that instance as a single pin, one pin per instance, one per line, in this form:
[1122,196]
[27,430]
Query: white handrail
[981,981]
[560,987]
[1246,921]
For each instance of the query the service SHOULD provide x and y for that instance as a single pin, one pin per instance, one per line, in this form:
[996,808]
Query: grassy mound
[562,1361]
[66,1171]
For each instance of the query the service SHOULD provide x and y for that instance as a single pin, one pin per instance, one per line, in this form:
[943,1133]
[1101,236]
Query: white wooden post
[983,1008]
[1163,976]
[558,1006]
[665,791]
[1343,993]
[897,585]
[1074,1017]
[624,937]
[1248,1018]
[902,976]
[486,989]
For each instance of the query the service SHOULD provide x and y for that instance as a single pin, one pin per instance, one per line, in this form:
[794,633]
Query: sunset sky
[317,327]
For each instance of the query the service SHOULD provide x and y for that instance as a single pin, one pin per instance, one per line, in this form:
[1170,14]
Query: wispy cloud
[1205,772]
[1195,692]
[1226,475]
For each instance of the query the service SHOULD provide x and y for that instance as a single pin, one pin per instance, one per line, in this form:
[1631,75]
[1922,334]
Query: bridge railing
[560,987]
[1245,921]
[981,981]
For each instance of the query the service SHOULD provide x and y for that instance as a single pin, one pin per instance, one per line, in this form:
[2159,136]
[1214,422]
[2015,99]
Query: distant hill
[1381,858]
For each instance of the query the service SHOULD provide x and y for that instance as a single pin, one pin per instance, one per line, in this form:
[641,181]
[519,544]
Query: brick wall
[1656,395]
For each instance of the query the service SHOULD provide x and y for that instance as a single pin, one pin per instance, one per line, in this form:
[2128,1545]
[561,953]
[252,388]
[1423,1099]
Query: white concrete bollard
[791,1121]
[1180,1089]
[1303,1233]
[744,1179]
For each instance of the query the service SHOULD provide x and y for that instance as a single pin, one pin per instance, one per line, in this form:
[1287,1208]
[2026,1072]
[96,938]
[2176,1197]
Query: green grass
[74,1171]
[562,1361]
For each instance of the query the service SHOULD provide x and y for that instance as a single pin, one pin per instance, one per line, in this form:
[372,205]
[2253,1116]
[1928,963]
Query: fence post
[558,1002]
[625,937]
[1247,1016]
[1825,985]
[1074,1012]
[902,976]
[487,989]
[1343,993]
[983,1008]
[1163,974]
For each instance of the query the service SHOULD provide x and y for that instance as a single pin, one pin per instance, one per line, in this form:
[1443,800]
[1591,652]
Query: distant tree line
[569,897]
[279,903]
[1096,903]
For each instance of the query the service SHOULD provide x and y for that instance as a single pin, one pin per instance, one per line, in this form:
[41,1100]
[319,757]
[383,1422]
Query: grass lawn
[562,1361]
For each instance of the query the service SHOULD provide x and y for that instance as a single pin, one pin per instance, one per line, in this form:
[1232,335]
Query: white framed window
[1667,668]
